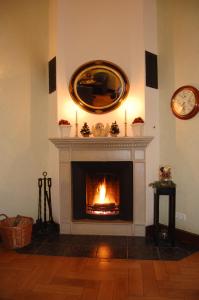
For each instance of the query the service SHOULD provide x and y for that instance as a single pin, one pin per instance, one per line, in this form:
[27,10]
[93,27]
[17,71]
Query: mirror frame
[101,65]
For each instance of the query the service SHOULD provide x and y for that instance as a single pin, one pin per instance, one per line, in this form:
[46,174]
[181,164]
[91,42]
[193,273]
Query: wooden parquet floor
[36,277]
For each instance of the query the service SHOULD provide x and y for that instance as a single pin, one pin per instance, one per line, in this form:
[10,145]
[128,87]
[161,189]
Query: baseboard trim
[181,235]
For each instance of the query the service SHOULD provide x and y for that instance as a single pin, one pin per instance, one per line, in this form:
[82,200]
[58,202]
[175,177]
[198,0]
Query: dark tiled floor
[106,247]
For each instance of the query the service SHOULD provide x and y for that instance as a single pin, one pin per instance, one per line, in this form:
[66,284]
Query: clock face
[185,102]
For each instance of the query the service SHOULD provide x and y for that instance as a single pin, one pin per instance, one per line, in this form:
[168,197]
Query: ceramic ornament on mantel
[114,130]
[100,130]
[85,130]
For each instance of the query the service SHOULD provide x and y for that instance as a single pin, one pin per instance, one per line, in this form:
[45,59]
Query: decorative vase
[137,129]
[65,130]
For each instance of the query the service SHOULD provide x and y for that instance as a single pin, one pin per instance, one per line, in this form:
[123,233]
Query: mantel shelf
[102,142]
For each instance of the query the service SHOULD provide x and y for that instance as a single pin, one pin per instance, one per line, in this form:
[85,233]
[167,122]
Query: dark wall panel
[52,74]
[151,65]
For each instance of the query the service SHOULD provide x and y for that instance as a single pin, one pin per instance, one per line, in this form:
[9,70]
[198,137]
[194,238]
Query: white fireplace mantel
[102,149]
[103,142]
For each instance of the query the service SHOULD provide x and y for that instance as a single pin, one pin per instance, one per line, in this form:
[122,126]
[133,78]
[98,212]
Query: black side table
[171,192]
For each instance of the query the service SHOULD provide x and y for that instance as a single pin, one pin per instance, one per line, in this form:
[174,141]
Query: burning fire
[101,196]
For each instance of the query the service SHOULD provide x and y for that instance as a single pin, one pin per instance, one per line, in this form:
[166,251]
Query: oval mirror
[99,86]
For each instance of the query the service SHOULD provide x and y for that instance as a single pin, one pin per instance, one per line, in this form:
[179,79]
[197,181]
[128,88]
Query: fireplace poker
[49,181]
[39,206]
[45,174]
[45,225]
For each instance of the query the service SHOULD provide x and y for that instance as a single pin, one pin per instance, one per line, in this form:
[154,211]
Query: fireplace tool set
[47,224]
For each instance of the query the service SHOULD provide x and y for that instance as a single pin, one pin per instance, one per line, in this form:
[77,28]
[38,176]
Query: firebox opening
[102,194]
[102,190]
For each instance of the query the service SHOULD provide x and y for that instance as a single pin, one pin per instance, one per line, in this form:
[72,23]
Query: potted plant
[114,130]
[85,131]
[138,126]
[65,127]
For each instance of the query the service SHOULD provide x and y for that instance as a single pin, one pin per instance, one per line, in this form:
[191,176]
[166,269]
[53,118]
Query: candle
[125,116]
[76,124]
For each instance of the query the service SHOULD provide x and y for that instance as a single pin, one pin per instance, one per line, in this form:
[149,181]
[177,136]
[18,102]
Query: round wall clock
[185,102]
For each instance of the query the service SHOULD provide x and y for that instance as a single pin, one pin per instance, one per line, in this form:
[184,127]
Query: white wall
[53,163]
[90,30]
[118,32]
[179,65]
[23,103]
[151,108]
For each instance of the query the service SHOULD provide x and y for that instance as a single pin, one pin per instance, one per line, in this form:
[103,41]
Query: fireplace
[102,190]
[77,157]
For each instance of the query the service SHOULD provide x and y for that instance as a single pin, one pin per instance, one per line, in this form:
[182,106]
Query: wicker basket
[16,232]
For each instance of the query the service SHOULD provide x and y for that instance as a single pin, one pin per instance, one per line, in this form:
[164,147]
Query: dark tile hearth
[106,247]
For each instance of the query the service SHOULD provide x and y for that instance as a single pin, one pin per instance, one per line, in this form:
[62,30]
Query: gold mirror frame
[99,86]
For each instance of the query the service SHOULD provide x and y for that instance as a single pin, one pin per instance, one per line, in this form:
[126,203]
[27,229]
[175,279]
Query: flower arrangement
[64,122]
[114,130]
[138,120]
[64,127]
[85,131]
[137,126]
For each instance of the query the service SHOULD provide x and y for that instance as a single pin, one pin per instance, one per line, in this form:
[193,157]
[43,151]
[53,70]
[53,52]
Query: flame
[101,196]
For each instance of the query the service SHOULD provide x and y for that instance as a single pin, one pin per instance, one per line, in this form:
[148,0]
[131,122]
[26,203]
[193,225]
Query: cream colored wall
[178,28]
[85,32]
[23,103]
[53,163]
[151,108]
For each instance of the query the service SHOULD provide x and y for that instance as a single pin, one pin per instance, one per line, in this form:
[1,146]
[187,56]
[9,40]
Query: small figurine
[99,130]
[114,130]
[165,173]
[85,131]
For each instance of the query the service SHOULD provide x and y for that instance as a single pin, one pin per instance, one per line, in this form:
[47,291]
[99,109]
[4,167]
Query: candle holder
[125,128]
[76,129]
